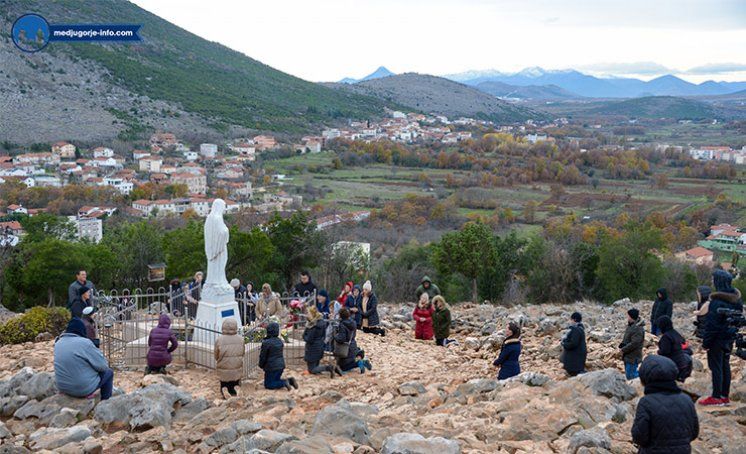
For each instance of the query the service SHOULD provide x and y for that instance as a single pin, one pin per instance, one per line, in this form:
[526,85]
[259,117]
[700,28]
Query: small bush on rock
[25,327]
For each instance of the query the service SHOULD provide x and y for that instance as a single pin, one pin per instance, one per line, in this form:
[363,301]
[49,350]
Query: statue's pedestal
[217,304]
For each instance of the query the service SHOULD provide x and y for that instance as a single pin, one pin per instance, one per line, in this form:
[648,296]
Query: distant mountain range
[575,83]
[438,95]
[382,71]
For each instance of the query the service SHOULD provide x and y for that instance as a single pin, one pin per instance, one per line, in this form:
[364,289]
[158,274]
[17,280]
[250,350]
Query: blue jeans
[107,383]
[630,370]
[273,379]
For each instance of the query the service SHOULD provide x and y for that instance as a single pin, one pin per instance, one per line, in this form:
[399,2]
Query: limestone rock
[310,445]
[413,443]
[65,418]
[339,420]
[531,378]
[43,337]
[412,388]
[145,408]
[609,383]
[264,440]
[52,406]
[472,343]
[477,386]
[39,386]
[592,438]
[52,438]
[4,432]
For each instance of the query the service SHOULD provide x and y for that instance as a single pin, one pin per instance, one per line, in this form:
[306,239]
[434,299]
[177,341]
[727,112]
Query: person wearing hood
[322,303]
[73,291]
[632,343]
[369,311]
[510,352]
[423,318]
[272,360]
[665,421]
[442,322]
[662,306]
[703,306]
[342,298]
[229,354]
[161,343]
[79,367]
[268,304]
[426,286]
[671,345]
[346,333]
[305,288]
[354,303]
[574,350]
[314,336]
[90,325]
[717,337]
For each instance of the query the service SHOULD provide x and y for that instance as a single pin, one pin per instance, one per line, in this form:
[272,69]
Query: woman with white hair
[369,311]
[268,304]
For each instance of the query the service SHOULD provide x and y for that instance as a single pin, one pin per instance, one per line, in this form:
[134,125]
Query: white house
[208,150]
[191,155]
[90,229]
[120,184]
[64,150]
[150,164]
[103,152]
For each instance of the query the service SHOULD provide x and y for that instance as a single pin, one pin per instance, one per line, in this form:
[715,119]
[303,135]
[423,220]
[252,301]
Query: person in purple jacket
[161,342]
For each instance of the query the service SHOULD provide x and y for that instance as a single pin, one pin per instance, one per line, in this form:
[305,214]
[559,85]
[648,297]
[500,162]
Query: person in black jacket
[666,420]
[369,311]
[671,344]
[717,337]
[346,333]
[662,306]
[574,350]
[272,360]
[313,336]
[632,343]
[305,289]
[81,301]
[703,305]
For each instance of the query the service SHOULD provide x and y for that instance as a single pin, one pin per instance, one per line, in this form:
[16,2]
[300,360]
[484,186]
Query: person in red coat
[161,342]
[342,298]
[423,318]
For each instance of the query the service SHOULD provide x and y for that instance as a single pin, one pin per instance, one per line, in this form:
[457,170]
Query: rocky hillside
[172,80]
[432,94]
[419,398]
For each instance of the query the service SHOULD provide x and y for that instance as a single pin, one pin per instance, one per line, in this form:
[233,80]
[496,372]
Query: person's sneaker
[711,402]
[287,385]
[367,364]
[331,371]
[338,371]
[725,401]
[293,382]
[383,332]
[361,366]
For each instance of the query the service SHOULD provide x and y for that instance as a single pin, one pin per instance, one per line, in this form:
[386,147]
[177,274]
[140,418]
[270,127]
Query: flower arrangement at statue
[258,333]
[296,308]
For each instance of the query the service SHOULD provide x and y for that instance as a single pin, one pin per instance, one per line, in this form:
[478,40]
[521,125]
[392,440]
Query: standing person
[632,343]
[717,336]
[240,296]
[510,353]
[229,354]
[73,291]
[369,311]
[176,297]
[253,297]
[90,325]
[194,293]
[322,303]
[666,420]
[314,336]
[354,303]
[82,301]
[272,360]
[268,304]
[305,288]
[346,333]
[423,318]
[79,367]
[342,298]
[426,286]
[671,345]
[161,343]
[574,350]
[703,305]
[662,306]
[442,321]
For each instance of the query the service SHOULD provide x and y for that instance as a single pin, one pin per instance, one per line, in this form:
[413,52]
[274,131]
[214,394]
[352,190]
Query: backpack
[685,370]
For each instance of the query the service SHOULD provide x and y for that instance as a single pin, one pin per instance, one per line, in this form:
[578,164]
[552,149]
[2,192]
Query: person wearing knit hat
[369,311]
[703,306]
[632,343]
[90,325]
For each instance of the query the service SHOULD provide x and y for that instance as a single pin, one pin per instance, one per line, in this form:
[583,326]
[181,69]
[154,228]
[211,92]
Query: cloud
[717,68]
[645,68]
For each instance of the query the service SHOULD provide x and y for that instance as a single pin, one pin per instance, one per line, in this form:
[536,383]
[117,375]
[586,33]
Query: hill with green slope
[219,86]
[658,107]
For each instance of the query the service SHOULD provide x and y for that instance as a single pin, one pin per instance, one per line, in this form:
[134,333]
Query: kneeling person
[272,360]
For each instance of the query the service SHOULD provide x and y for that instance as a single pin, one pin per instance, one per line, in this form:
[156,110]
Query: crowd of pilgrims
[331,327]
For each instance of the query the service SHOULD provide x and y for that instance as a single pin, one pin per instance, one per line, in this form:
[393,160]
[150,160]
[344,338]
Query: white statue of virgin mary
[216,248]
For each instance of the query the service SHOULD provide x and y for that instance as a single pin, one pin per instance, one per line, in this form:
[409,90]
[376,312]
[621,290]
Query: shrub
[25,327]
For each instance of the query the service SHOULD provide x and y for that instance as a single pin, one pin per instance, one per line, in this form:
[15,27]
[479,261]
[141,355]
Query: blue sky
[329,39]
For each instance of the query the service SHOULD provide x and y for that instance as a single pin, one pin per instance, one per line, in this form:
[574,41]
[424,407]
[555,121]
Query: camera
[735,320]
